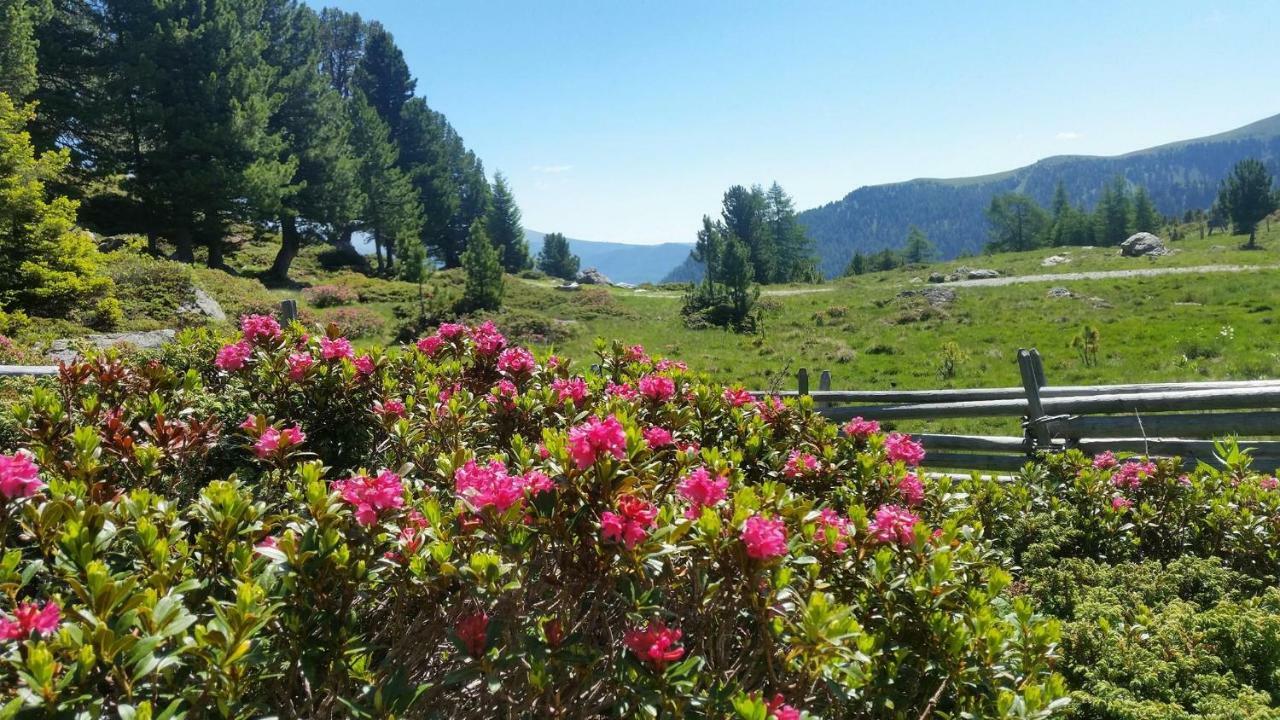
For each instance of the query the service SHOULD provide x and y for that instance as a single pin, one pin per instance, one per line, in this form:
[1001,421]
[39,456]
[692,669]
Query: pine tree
[709,250]
[504,227]
[918,249]
[47,266]
[343,36]
[1017,223]
[391,213]
[1246,197]
[483,267]
[743,215]
[1061,203]
[794,249]
[555,258]
[18,45]
[857,265]
[1145,216]
[1113,217]
[738,279]
[383,77]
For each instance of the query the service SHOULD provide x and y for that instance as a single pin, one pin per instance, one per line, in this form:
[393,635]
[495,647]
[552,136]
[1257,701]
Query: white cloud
[1068,135]
[552,169]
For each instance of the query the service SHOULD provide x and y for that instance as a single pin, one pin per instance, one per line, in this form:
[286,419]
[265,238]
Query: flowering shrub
[322,296]
[356,321]
[272,524]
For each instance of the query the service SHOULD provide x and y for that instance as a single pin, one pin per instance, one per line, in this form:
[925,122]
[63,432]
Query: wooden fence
[1158,419]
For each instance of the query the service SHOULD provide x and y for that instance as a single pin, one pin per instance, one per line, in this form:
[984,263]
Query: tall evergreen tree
[383,77]
[555,258]
[917,249]
[1017,223]
[504,227]
[483,268]
[391,213]
[343,36]
[1113,217]
[1061,203]
[1246,197]
[744,216]
[1145,216]
[857,265]
[792,246]
[18,44]
[325,192]
[709,250]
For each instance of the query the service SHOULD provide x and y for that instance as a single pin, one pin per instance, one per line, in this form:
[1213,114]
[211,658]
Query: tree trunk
[290,244]
[377,250]
[391,260]
[343,242]
[1253,236]
[153,242]
[184,252]
[215,252]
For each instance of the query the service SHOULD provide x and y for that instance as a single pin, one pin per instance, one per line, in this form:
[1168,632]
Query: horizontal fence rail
[1157,419]
[21,370]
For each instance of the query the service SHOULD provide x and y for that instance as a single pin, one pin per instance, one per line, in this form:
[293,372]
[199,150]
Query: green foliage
[1017,223]
[48,268]
[1086,344]
[355,322]
[504,227]
[18,21]
[555,259]
[1246,197]
[917,249]
[483,268]
[727,295]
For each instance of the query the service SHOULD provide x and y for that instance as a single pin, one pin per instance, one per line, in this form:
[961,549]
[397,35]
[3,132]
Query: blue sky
[625,121]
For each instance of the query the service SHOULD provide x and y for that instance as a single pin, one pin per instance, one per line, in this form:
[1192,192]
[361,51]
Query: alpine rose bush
[269,525]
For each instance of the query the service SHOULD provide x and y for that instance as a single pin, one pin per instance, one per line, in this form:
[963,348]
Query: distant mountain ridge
[1179,176]
[621,262]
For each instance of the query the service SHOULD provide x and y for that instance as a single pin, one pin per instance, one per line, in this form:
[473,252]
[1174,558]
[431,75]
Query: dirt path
[1109,274]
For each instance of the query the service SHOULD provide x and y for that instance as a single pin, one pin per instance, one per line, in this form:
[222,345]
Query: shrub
[322,296]
[356,322]
[150,288]
[272,525]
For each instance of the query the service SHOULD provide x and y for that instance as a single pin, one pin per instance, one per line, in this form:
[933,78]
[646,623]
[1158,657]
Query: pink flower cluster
[657,437]
[333,349]
[482,486]
[371,496]
[901,447]
[596,438]
[737,397]
[572,390]
[19,476]
[800,464]
[636,354]
[30,618]
[622,390]
[473,631]
[779,709]
[764,539]
[860,429]
[488,340]
[657,388]
[893,524]
[1105,460]
[833,530]
[702,490]
[516,361]
[389,410]
[233,357]
[259,329]
[430,345]
[300,364]
[1131,474]
[655,644]
[1121,503]
[911,488]
[631,523]
[271,441]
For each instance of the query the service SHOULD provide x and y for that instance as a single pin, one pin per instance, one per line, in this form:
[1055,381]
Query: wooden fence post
[824,385]
[288,311]
[802,381]
[1036,429]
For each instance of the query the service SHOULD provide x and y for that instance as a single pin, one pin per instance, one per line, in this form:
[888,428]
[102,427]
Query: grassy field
[1207,325]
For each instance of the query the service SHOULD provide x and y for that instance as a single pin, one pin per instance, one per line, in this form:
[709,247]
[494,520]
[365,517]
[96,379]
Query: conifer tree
[391,213]
[555,258]
[917,249]
[342,36]
[382,75]
[1061,203]
[709,250]
[504,227]
[743,213]
[18,45]
[794,250]
[483,268]
[1246,197]
[1145,216]
[1017,223]
[857,264]
[1113,217]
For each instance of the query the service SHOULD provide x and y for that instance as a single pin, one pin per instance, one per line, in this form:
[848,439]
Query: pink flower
[893,523]
[388,410]
[430,345]
[765,539]
[451,331]
[232,357]
[1269,482]
[655,644]
[657,437]
[487,339]
[833,530]
[537,482]
[504,392]
[901,447]
[1105,460]
[1121,503]
[657,388]
[911,488]
[260,328]
[780,710]
[516,361]
[482,486]
[269,542]
[31,618]
[861,429]
[1132,473]
[371,496]
[665,365]
[299,365]
[701,490]
[250,424]
[595,438]
[335,348]
[800,464]
[737,397]
[473,631]
[636,354]
[365,364]
[573,389]
[19,476]
[631,523]
[273,441]
[622,390]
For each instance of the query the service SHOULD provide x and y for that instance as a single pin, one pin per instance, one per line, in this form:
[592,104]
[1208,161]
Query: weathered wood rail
[1157,419]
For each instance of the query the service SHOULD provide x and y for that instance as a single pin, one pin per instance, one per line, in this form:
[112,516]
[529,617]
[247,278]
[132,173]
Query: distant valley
[622,262]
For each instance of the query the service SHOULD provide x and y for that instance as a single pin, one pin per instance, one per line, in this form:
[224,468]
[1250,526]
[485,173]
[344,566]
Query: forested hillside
[1179,177]
[621,262]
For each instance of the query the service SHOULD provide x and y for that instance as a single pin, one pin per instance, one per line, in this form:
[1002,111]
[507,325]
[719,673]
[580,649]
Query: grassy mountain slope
[1180,176]
[621,262]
